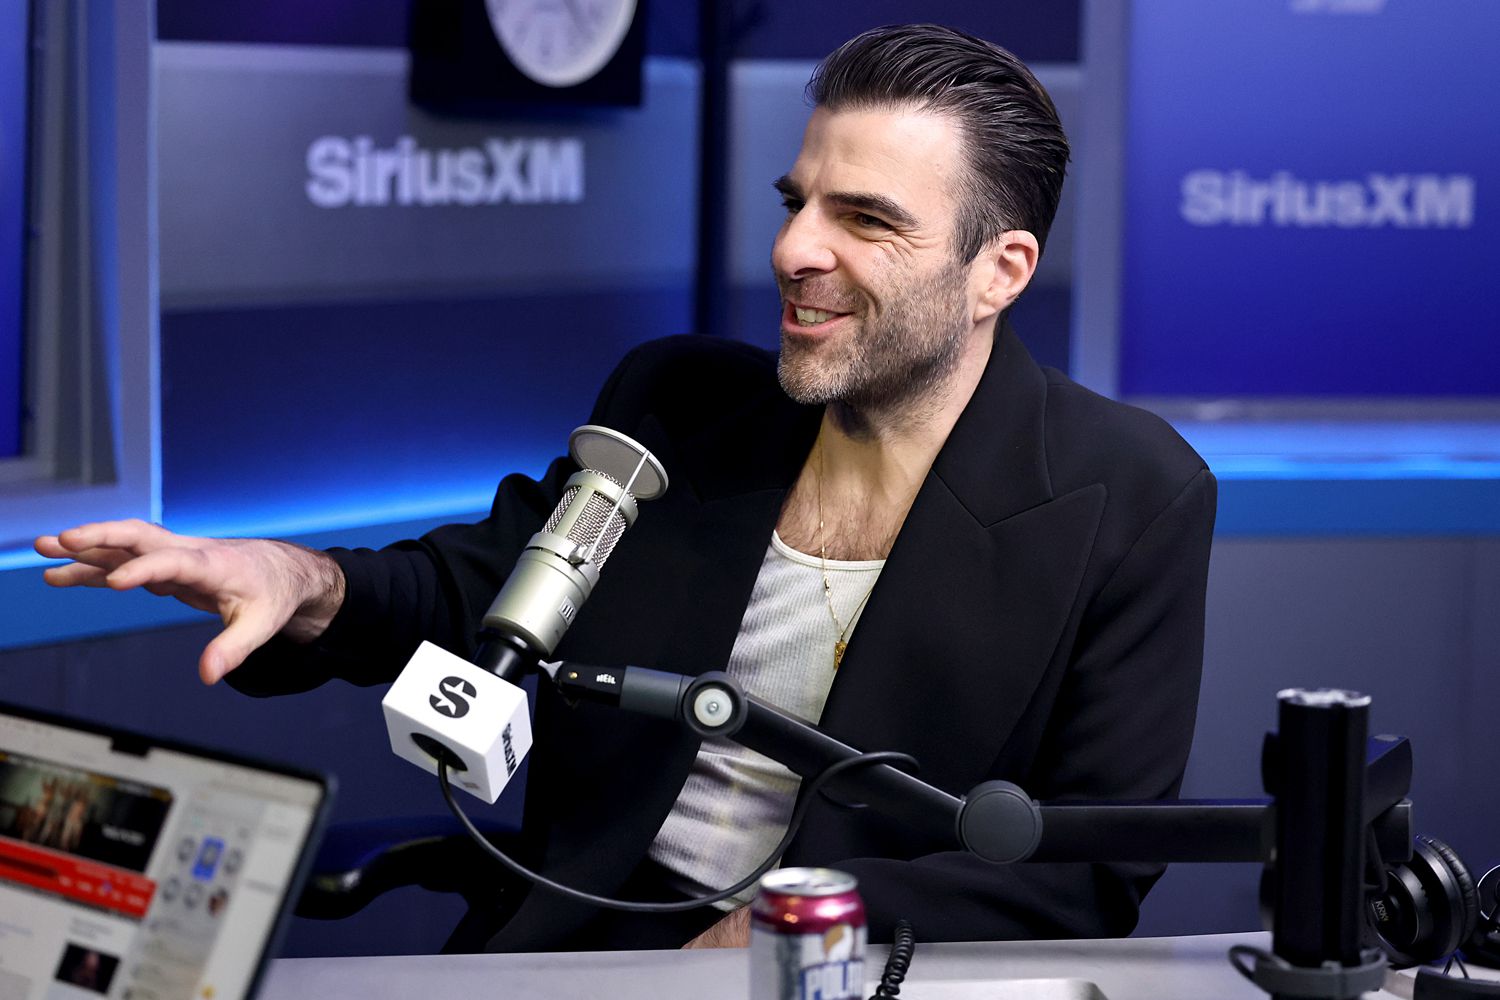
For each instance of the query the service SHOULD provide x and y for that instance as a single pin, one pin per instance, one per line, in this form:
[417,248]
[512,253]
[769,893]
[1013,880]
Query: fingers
[237,579]
[250,626]
[49,546]
[210,580]
[183,567]
[105,546]
[111,554]
[75,575]
[166,573]
[134,534]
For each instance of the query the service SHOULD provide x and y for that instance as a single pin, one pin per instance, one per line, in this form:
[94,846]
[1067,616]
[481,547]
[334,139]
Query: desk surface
[1128,969]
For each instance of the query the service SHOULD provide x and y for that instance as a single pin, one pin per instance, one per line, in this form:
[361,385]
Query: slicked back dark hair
[1017,153]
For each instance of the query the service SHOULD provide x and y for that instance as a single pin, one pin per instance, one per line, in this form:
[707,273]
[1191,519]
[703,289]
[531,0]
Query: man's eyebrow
[861,201]
[875,204]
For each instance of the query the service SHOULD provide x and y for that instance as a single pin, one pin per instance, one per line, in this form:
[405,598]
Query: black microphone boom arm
[996,820]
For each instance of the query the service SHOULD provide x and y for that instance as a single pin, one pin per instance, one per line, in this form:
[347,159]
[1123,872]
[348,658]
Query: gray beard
[898,363]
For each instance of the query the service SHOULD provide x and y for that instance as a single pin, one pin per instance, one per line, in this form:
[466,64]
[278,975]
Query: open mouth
[812,317]
[807,318]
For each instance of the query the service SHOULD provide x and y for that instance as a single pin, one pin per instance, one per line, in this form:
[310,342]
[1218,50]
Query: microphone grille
[591,523]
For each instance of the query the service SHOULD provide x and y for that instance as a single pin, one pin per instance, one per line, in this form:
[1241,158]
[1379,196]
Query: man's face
[875,309]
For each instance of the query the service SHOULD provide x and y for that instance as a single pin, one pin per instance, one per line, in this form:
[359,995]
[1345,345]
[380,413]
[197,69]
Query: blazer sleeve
[435,588]
[1121,728]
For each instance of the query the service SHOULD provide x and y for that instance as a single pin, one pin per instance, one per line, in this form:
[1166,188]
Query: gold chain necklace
[840,643]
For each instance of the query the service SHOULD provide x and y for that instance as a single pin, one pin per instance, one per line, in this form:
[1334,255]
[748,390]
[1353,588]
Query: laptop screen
[142,870]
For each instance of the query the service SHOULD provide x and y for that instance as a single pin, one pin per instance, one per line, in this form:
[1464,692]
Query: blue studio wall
[1334,152]
[348,373]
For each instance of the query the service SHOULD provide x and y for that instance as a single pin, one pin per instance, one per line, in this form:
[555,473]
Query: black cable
[897,962]
[826,775]
[1241,955]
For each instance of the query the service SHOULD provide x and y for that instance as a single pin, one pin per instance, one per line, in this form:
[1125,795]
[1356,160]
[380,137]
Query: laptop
[143,869]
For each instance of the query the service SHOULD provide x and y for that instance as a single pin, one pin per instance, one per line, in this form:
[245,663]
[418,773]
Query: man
[1025,561]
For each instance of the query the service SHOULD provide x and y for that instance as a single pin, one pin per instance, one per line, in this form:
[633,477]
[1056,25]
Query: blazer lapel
[697,551]
[976,593]
[704,540]
[740,469]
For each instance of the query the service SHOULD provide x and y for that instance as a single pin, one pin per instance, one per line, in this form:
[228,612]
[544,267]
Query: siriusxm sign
[336,189]
[344,172]
[1403,201]
[1308,200]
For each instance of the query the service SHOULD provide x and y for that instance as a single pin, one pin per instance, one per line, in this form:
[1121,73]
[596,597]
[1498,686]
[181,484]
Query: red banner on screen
[75,878]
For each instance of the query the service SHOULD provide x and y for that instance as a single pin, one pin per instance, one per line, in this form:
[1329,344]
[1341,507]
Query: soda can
[807,937]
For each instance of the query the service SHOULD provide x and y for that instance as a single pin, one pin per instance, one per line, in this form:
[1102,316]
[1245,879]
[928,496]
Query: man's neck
[866,468]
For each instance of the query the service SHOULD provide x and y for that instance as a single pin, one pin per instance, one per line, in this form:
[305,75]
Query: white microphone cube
[482,720]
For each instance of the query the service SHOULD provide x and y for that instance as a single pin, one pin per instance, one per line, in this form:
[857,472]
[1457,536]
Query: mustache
[825,292]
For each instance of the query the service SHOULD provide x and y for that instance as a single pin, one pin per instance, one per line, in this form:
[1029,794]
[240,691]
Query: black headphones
[1431,908]
[1483,946]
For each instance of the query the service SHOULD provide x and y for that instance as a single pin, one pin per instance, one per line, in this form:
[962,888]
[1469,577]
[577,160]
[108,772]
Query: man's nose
[802,246]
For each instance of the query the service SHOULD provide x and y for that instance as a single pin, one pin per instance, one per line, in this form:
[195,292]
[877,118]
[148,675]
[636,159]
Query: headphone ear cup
[1430,906]
[1468,891]
[1483,946]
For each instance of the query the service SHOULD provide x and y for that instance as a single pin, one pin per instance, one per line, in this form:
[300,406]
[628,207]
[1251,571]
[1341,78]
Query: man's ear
[1002,271]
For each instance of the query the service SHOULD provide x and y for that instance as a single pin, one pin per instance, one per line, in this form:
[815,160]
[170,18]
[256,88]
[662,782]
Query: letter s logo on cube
[450,699]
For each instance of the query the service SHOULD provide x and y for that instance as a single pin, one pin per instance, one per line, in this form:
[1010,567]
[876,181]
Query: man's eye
[871,221]
[792,205]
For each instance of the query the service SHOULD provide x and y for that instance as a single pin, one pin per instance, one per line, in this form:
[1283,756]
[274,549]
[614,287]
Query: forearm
[317,577]
[372,609]
[365,613]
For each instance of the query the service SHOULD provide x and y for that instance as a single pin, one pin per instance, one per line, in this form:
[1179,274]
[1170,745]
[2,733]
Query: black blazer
[1039,619]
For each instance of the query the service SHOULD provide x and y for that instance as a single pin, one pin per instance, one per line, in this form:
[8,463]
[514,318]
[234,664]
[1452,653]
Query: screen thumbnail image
[91,815]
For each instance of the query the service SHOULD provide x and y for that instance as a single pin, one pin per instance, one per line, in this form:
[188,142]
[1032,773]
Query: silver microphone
[474,717]
[560,565]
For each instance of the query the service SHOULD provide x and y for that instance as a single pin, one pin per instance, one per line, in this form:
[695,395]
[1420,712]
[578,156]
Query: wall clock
[561,43]
[495,57]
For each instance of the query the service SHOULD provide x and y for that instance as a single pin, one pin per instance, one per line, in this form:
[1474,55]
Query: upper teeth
[808,317]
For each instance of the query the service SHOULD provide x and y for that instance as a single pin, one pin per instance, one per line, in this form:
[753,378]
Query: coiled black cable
[897,962]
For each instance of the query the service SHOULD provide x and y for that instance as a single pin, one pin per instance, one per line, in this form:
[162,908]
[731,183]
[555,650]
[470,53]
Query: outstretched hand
[257,587]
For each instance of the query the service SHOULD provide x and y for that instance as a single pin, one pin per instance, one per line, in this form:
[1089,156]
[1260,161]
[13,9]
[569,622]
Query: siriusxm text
[508,747]
[344,172]
[1403,201]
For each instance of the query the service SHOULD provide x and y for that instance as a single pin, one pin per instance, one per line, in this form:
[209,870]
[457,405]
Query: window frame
[91,447]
